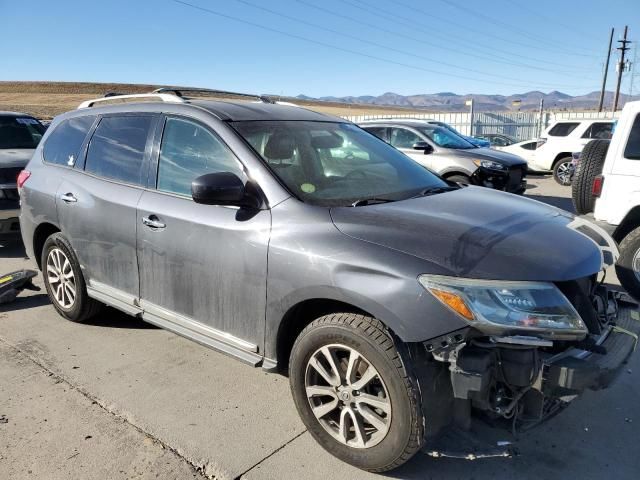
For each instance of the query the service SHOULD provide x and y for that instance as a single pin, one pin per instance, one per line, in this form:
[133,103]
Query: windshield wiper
[435,190]
[370,201]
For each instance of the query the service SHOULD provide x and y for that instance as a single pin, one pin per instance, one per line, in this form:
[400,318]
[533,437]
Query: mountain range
[448,101]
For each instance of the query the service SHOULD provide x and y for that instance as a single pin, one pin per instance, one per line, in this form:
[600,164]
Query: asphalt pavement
[117,398]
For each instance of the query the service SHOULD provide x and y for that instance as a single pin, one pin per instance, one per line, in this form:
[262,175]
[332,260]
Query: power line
[389,16]
[376,44]
[494,58]
[510,27]
[335,47]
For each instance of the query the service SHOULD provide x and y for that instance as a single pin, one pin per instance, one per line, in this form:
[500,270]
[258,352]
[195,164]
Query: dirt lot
[48,99]
[117,398]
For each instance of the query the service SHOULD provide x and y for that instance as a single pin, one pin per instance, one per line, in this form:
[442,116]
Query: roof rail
[178,91]
[165,97]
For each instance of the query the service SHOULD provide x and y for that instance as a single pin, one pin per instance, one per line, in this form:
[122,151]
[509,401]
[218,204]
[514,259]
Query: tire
[399,431]
[59,261]
[461,179]
[628,266]
[562,171]
[591,163]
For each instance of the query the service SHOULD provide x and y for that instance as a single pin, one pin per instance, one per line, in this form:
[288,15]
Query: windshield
[20,132]
[445,138]
[335,164]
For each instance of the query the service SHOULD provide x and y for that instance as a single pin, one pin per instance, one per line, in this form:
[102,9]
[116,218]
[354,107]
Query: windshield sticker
[308,188]
[27,121]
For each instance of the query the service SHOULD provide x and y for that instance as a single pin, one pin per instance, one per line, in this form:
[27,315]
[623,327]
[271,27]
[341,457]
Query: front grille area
[9,175]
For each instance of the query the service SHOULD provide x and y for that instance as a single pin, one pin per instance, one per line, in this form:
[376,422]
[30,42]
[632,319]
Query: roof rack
[178,91]
[165,97]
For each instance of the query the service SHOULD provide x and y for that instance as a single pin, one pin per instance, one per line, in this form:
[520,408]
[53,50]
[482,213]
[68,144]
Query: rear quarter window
[19,132]
[116,150]
[62,147]
[563,129]
[632,149]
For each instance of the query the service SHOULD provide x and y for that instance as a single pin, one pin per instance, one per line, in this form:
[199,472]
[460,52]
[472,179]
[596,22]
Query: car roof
[400,121]
[254,111]
[14,114]
[226,110]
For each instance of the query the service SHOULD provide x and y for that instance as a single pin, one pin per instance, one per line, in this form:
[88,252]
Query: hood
[15,157]
[477,232]
[482,153]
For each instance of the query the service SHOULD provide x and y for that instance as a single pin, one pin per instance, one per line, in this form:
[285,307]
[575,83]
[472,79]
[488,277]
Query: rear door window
[64,143]
[403,138]
[380,132]
[19,132]
[632,150]
[116,150]
[189,150]
[563,129]
[599,130]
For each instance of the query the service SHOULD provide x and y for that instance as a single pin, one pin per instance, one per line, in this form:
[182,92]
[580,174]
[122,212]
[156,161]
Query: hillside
[47,99]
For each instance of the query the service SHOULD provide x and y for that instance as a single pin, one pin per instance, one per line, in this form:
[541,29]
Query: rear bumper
[578,370]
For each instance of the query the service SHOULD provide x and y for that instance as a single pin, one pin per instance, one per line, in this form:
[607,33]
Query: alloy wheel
[635,264]
[564,173]
[61,279]
[348,396]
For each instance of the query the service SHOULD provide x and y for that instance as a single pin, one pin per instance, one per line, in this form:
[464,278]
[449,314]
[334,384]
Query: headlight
[497,307]
[490,164]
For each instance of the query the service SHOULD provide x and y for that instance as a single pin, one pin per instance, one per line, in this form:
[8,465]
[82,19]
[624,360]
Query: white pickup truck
[607,188]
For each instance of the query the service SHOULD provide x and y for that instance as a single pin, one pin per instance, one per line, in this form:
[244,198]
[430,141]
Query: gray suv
[401,306]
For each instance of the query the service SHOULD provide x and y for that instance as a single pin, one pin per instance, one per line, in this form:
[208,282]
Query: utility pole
[606,70]
[623,49]
[540,114]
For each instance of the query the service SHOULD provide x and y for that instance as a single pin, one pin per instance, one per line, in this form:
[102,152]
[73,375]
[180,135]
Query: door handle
[68,198]
[152,221]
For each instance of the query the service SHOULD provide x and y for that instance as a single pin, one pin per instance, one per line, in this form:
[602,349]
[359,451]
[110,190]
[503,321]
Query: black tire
[461,179]
[629,249]
[369,338]
[560,174]
[83,307]
[591,163]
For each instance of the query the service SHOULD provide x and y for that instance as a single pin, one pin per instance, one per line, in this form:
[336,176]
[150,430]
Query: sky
[320,47]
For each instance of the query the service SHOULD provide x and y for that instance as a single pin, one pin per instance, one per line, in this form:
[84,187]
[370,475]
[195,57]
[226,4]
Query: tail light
[23,176]
[596,188]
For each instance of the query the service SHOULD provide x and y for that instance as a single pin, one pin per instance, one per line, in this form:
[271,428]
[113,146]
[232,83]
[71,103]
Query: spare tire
[590,166]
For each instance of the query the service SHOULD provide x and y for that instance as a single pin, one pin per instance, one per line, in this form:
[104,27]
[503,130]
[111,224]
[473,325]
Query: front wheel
[460,179]
[563,171]
[628,266]
[353,393]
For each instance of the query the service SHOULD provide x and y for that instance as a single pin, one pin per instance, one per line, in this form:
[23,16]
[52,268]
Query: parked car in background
[400,305]
[525,150]
[560,140]
[19,136]
[451,156]
[607,187]
[498,139]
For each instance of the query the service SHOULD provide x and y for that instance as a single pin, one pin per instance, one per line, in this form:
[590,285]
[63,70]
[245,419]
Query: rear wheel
[628,266]
[353,393]
[562,171]
[591,163]
[64,281]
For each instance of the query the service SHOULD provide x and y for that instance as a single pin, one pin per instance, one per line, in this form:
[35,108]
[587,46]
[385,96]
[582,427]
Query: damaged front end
[518,369]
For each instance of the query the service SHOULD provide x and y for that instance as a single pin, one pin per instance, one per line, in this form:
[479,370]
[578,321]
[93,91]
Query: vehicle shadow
[11,247]
[26,302]
[112,318]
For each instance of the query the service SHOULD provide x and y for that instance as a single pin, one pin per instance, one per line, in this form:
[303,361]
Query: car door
[404,139]
[97,205]
[203,268]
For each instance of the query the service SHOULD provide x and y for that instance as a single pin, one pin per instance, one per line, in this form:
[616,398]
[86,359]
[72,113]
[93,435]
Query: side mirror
[423,146]
[222,188]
